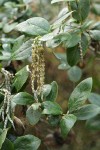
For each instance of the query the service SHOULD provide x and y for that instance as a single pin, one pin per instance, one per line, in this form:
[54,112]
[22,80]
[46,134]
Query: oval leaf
[27,142]
[74,74]
[21,77]
[46,90]
[66,123]
[34,26]
[51,108]
[61,19]
[72,39]
[53,93]
[23,52]
[33,113]
[94,99]
[9,27]
[23,98]
[80,94]
[87,112]
[82,8]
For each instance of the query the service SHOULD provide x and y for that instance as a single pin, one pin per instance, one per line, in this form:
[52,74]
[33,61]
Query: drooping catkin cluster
[38,67]
[5,89]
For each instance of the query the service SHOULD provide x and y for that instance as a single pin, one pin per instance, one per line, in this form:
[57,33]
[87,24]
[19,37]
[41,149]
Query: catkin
[5,110]
[38,67]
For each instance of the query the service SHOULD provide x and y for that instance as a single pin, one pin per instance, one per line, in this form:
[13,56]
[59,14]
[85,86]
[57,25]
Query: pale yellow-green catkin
[38,67]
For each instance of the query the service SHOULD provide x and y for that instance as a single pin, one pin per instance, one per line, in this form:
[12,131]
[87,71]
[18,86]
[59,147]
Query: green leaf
[63,12]
[27,142]
[86,112]
[46,90]
[66,123]
[61,19]
[69,39]
[6,47]
[47,37]
[53,93]
[74,74]
[7,145]
[63,67]
[34,26]
[86,25]
[3,137]
[23,98]
[23,52]
[56,1]
[95,34]
[21,77]
[6,53]
[72,40]
[73,54]
[94,99]
[51,44]
[17,43]
[5,56]
[80,94]
[93,123]
[63,59]
[51,108]
[82,8]
[33,113]
[9,27]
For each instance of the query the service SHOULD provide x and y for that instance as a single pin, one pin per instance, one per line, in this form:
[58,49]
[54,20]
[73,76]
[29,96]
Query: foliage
[75,33]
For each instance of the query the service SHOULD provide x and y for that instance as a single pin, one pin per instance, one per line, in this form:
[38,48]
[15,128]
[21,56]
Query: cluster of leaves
[74,32]
[77,110]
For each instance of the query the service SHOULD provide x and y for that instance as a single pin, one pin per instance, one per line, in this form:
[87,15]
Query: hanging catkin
[5,111]
[38,67]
